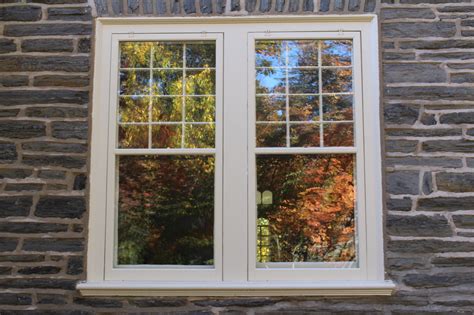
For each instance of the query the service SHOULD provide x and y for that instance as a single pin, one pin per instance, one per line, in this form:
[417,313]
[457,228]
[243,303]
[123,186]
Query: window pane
[201,55]
[199,136]
[167,55]
[133,136]
[338,134]
[200,109]
[270,54]
[303,81]
[167,82]
[167,109]
[165,210]
[304,135]
[270,81]
[135,54]
[201,82]
[271,135]
[134,82]
[337,80]
[304,108]
[310,215]
[337,107]
[336,52]
[302,53]
[133,109]
[166,136]
[271,108]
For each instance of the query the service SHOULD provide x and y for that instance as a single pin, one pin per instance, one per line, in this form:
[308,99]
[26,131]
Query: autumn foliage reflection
[311,218]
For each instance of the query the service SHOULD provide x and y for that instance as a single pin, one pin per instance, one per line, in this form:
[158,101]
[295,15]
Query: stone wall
[428,86]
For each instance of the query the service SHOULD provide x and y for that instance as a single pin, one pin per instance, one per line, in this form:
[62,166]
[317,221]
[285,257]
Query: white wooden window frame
[235,271]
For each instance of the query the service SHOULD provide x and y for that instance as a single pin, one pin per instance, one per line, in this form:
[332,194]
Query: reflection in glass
[167,82]
[166,109]
[270,81]
[303,81]
[166,136]
[304,135]
[165,210]
[271,108]
[200,109]
[133,136]
[168,55]
[337,80]
[133,109]
[199,136]
[200,82]
[302,53]
[337,107]
[201,55]
[311,217]
[270,53]
[161,85]
[271,135]
[134,82]
[336,52]
[304,108]
[135,54]
[338,134]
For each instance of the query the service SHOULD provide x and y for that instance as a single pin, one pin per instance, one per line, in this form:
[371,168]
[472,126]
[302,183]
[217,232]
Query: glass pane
[337,107]
[336,52]
[302,53]
[166,136]
[311,215]
[270,54]
[133,109]
[165,210]
[304,108]
[270,81]
[167,109]
[168,55]
[134,82]
[199,136]
[303,81]
[337,80]
[133,136]
[338,134]
[271,135]
[304,135]
[200,82]
[200,109]
[168,82]
[271,108]
[135,54]
[200,55]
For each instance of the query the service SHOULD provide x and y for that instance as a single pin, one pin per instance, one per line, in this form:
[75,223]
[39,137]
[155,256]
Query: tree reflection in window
[166,202]
[304,98]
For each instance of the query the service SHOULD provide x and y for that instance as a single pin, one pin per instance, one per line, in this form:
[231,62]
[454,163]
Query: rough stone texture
[427,101]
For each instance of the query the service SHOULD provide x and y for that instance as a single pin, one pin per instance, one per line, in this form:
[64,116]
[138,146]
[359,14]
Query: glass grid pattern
[323,122]
[187,124]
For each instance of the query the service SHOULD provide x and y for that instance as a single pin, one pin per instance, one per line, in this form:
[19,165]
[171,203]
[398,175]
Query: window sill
[260,288]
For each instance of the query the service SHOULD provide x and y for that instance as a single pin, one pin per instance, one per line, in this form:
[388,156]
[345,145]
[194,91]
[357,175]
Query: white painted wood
[235,184]
[230,288]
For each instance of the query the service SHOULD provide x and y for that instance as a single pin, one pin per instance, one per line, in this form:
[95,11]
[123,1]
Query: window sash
[168,272]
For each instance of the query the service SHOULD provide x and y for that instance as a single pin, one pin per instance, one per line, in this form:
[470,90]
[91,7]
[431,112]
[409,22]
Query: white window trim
[232,275]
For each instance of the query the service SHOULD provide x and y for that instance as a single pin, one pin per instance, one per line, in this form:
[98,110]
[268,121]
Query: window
[235,156]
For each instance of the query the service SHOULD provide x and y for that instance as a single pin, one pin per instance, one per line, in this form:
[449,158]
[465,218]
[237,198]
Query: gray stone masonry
[427,73]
